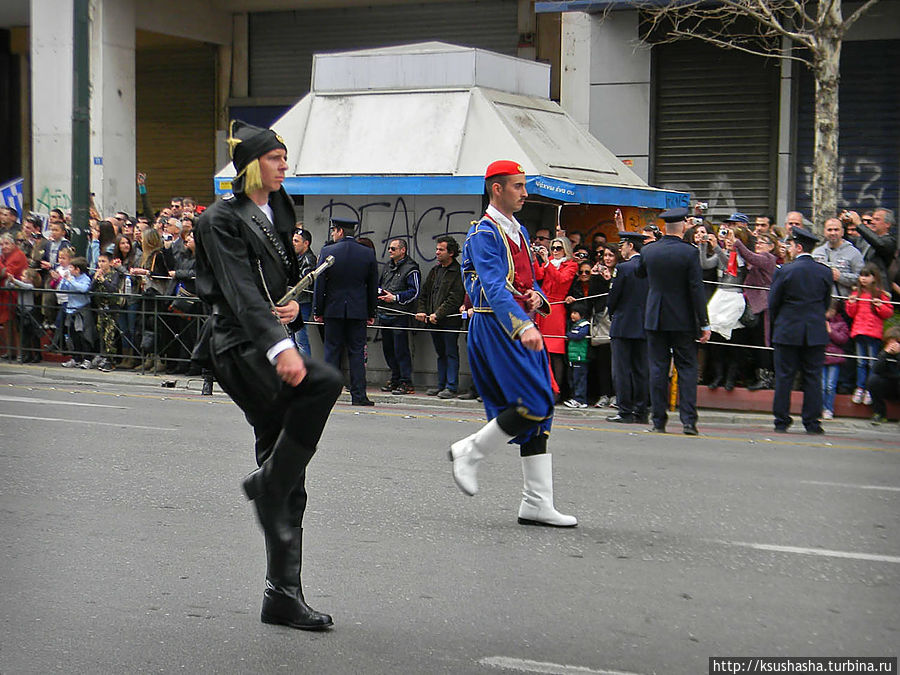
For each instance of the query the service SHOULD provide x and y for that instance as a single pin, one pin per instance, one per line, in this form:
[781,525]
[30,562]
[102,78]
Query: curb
[56,373]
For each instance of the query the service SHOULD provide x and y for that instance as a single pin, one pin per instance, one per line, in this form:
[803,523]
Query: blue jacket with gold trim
[488,272]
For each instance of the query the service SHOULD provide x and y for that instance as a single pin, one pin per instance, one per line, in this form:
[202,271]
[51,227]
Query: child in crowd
[867,307]
[79,322]
[105,285]
[884,382]
[29,313]
[838,334]
[62,271]
[577,343]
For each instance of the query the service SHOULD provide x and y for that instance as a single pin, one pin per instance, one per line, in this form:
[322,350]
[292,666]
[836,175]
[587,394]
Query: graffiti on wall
[49,199]
[860,184]
[416,220]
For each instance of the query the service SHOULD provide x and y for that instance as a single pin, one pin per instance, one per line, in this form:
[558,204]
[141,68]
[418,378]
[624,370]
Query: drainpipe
[81,126]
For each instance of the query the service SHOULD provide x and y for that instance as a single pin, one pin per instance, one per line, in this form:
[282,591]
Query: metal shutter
[869,140]
[282,44]
[176,133]
[715,130]
[10,113]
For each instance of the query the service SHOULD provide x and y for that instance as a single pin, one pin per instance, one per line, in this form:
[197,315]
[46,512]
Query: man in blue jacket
[345,299]
[798,299]
[675,315]
[626,305]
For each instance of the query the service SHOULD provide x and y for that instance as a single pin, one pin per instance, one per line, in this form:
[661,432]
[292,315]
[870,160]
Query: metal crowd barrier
[145,325]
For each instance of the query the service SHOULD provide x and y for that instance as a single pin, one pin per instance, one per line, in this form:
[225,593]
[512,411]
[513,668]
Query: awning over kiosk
[427,119]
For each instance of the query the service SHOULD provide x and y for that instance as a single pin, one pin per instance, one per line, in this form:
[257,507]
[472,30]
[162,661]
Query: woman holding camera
[706,243]
[760,269]
[727,305]
[554,271]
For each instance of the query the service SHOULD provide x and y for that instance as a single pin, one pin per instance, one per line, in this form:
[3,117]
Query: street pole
[81,127]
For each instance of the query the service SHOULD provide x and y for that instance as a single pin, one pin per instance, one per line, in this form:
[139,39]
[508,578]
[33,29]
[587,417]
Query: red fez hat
[503,167]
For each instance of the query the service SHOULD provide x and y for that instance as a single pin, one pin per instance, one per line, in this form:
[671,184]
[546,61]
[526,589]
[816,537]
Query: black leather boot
[283,601]
[715,381]
[271,484]
[731,375]
[764,380]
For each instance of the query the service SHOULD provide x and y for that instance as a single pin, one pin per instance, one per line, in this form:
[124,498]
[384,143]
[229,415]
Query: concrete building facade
[734,131]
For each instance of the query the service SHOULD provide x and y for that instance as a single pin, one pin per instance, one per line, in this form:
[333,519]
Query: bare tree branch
[764,14]
[728,44]
[853,18]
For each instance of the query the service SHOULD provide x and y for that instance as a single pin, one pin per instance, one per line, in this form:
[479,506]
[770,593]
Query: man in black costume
[245,263]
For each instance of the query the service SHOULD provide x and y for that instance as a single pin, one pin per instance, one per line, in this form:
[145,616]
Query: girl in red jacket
[867,307]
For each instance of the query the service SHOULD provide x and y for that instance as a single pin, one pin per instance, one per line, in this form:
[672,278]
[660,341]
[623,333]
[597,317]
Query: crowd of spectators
[738,259]
[131,294]
[126,301]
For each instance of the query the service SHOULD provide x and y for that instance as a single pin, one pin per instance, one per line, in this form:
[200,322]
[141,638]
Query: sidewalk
[54,373]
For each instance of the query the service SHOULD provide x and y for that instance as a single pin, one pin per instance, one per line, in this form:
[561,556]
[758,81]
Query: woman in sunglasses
[555,272]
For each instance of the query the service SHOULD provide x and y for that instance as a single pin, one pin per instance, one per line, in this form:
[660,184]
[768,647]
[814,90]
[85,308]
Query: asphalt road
[127,546]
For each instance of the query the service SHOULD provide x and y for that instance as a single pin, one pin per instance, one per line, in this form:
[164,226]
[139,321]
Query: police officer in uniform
[245,263]
[798,299]
[345,299]
[626,306]
[676,309]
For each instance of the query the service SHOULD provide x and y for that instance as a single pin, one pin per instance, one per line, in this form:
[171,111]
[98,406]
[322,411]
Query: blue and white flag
[11,194]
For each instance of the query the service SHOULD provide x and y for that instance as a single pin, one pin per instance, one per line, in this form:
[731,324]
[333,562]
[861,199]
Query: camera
[724,232]
[702,206]
[535,248]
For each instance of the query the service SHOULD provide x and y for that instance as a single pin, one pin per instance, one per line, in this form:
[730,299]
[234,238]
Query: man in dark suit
[244,265]
[799,297]
[345,299]
[675,314]
[626,305]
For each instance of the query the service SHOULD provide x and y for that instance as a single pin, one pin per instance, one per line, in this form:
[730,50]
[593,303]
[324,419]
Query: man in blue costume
[506,351]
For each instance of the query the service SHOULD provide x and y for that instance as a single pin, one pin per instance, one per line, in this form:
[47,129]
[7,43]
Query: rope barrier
[400,312]
[414,329]
[772,349]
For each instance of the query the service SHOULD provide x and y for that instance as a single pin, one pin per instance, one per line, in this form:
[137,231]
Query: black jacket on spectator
[161,263]
[887,366]
[597,285]
[395,279]
[307,263]
[445,296]
[884,382]
[881,249]
[185,273]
